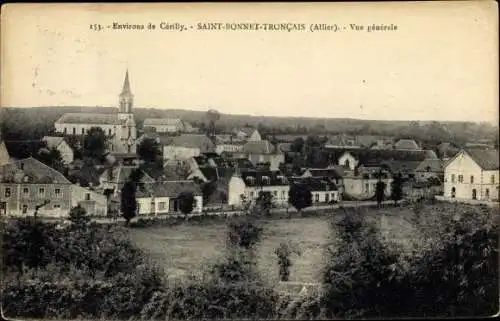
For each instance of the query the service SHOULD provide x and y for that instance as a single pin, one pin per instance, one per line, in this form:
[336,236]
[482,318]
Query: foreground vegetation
[90,271]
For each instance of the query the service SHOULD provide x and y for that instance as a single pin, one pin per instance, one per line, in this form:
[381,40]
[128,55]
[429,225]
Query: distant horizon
[495,124]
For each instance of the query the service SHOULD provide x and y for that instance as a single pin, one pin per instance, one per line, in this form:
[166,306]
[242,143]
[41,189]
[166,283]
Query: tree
[51,157]
[264,203]
[128,202]
[284,253]
[149,150]
[208,189]
[78,216]
[297,145]
[380,192]
[186,203]
[300,196]
[94,143]
[212,116]
[397,188]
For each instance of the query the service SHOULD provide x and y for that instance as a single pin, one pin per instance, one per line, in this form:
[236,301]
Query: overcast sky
[441,63]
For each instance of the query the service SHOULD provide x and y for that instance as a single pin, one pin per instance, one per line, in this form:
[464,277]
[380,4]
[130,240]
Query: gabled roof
[163,121]
[434,165]
[188,140]
[120,174]
[486,159]
[316,184]
[30,170]
[259,147]
[89,118]
[53,141]
[170,189]
[258,178]
[406,144]
[217,173]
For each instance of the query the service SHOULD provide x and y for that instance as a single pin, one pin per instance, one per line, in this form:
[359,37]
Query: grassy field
[188,249]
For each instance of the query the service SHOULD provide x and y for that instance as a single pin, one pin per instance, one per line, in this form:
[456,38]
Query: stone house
[248,184]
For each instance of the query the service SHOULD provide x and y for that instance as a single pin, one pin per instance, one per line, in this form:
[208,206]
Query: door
[453,190]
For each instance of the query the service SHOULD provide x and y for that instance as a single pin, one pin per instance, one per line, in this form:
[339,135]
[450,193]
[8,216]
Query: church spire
[126,85]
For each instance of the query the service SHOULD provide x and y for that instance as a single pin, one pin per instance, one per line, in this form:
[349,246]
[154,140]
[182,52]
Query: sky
[440,64]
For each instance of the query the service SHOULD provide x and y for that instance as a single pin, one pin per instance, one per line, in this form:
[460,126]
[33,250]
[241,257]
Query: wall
[357,186]
[236,188]
[96,205]
[324,196]
[59,127]
[348,157]
[280,193]
[230,148]
[167,128]
[462,164]
[59,205]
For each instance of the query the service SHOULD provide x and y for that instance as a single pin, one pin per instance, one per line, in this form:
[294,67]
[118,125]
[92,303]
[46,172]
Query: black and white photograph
[249,161]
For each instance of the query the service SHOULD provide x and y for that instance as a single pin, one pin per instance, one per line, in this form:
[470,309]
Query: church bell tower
[127,132]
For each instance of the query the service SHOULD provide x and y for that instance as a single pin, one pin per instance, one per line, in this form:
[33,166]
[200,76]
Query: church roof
[89,118]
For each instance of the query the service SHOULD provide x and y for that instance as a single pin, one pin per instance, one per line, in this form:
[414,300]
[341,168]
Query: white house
[186,146]
[95,204]
[164,125]
[248,184]
[62,146]
[248,134]
[472,174]
[163,197]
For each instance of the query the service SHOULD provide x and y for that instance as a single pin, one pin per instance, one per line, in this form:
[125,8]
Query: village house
[248,184]
[185,146]
[472,174]
[263,152]
[114,178]
[362,183]
[322,190]
[93,202]
[163,197]
[119,126]
[164,125]
[62,146]
[429,169]
[28,183]
[248,134]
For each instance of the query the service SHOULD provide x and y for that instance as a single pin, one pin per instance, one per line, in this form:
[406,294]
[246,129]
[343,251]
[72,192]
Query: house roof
[188,140]
[325,172]
[120,174]
[434,165]
[406,144]
[52,141]
[486,159]
[162,121]
[341,140]
[19,149]
[30,170]
[263,178]
[89,118]
[217,173]
[289,138]
[259,147]
[248,130]
[374,156]
[316,184]
[170,189]
[429,153]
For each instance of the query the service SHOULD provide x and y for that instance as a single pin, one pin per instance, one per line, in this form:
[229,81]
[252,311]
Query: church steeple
[126,97]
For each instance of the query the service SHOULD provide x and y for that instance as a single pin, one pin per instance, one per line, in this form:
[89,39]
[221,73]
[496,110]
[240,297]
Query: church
[119,127]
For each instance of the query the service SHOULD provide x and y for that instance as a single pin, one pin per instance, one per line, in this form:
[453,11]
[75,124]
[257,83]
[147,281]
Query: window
[26,191]
[83,131]
[275,193]
[87,196]
[251,194]
[453,178]
[327,198]
[472,179]
[109,131]
[57,192]
[333,196]
[65,130]
[57,206]
[74,131]
[474,194]
[161,205]
[316,197]
[492,179]
[367,187]
[487,193]
[41,191]
[25,209]
[460,178]
[283,195]
[7,192]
